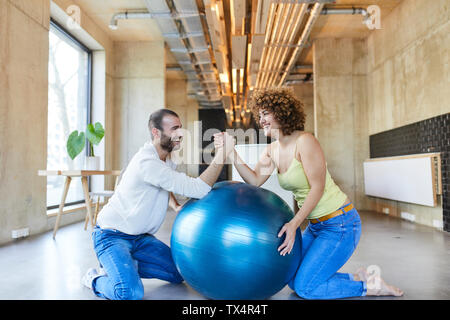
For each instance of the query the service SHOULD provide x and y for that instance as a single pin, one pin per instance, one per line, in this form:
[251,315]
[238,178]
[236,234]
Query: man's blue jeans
[326,247]
[128,258]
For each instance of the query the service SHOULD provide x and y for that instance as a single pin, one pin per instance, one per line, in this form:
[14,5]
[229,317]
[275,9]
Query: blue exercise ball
[225,244]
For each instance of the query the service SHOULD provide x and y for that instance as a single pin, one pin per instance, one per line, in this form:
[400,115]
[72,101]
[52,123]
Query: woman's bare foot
[376,286]
[360,275]
[383,289]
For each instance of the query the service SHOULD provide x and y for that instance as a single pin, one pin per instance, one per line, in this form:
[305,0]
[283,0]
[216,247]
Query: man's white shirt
[141,199]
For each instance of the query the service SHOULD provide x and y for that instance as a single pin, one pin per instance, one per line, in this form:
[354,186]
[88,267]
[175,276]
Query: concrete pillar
[23,115]
[305,92]
[139,90]
[187,109]
[340,86]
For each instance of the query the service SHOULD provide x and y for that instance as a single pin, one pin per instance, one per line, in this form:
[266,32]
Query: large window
[69,92]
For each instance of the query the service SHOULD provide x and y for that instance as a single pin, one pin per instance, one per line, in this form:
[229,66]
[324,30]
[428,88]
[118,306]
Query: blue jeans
[326,247]
[128,258]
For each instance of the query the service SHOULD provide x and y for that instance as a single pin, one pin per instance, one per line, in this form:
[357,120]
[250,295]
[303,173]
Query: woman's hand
[290,229]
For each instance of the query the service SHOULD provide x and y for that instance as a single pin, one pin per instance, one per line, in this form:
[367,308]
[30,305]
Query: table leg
[87,198]
[86,220]
[61,205]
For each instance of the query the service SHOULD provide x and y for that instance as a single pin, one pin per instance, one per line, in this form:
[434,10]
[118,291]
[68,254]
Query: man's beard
[166,143]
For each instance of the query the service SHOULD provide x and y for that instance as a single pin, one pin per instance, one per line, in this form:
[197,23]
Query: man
[123,239]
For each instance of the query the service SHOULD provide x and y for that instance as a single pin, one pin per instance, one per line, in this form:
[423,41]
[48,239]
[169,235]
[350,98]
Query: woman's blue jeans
[128,258]
[326,247]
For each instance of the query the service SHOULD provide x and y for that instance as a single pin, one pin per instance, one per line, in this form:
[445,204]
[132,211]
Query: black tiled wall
[427,136]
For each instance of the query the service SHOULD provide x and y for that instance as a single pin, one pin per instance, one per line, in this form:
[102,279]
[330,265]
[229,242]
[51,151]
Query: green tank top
[295,180]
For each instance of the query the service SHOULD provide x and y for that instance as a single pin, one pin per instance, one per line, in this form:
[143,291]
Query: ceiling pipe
[294,82]
[352,11]
[186,35]
[173,68]
[147,15]
[196,63]
[191,50]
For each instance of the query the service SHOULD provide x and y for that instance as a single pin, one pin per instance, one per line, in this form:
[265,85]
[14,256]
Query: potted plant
[77,140]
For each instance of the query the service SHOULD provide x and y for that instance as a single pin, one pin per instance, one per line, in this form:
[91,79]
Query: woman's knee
[302,286]
[304,293]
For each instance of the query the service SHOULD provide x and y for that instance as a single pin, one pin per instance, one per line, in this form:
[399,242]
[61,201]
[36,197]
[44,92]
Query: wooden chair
[101,193]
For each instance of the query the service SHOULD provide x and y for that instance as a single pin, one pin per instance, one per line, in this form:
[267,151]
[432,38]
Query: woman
[334,225]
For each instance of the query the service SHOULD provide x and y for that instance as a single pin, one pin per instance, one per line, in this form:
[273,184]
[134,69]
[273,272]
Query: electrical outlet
[19,233]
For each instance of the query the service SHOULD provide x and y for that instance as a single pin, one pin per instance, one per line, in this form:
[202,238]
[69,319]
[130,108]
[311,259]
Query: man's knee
[125,292]
[176,277]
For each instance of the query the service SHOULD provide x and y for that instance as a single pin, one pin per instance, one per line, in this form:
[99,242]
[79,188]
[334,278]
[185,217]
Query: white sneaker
[91,275]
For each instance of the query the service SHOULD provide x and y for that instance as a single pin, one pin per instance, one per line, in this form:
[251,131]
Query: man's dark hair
[156,118]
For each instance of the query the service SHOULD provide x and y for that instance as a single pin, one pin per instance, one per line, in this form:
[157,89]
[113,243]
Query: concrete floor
[413,257]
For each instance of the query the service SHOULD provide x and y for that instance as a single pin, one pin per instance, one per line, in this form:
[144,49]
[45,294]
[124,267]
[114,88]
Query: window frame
[78,43]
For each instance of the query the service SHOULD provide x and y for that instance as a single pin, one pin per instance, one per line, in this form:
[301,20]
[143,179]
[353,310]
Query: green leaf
[95,134]
[75,144]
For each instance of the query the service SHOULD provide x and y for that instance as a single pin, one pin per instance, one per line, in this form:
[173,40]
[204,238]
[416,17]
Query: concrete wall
[408,79]
[408,63]
[24,105]
[397,76]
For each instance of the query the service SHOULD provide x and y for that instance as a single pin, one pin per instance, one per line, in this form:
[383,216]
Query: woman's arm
[313,161]
[262,171]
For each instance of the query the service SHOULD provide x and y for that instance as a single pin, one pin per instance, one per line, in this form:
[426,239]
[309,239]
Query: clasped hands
[224,140]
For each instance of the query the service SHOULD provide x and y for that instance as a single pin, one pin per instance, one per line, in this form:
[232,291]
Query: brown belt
[333,214]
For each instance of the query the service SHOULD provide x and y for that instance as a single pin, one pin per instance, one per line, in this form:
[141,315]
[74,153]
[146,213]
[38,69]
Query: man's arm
[211,173]
[160,175]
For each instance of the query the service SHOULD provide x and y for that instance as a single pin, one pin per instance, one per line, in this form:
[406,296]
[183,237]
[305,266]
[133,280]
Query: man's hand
[173,203]
[224,140]
[178,208]
[218,140]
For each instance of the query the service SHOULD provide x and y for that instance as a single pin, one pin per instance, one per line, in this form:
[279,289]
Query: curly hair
[286,108]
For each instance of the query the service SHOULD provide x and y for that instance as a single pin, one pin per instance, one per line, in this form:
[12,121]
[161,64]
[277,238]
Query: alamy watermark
[373,277]
[373,17]
[73,22]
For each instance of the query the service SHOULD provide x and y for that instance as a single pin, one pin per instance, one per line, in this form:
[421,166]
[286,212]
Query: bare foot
[360,275]
[376,286]
[383,289]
